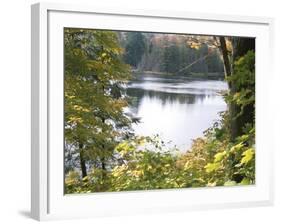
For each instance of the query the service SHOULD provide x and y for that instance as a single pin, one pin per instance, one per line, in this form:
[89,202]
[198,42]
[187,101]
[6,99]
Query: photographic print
[145,111]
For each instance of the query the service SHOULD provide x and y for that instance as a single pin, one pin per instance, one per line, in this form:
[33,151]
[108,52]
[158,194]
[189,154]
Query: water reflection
[177,109]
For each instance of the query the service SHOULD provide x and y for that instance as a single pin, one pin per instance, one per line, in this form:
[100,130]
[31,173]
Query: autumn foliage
[103,154]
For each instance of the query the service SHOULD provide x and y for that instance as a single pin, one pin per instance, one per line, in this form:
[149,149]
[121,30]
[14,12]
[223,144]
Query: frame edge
[39,168]
[35,192]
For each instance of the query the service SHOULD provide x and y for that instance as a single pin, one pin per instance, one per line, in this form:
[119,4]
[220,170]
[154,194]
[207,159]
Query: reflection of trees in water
[138,94]
[160,80]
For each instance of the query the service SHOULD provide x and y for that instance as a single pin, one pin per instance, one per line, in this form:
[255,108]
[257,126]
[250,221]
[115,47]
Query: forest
[170,54]
[103,152]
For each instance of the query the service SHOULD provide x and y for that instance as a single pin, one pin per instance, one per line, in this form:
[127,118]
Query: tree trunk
[233,110]
[82,161]
[241,46]
[102,158]
[103,164]
[226,61]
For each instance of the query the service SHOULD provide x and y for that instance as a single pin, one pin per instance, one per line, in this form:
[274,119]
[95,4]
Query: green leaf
[230,183]
[245,181]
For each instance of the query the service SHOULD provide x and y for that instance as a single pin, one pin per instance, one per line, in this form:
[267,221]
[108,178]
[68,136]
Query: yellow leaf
[219,156]
[210,167]
[211,184]
[236,147]
[247,156]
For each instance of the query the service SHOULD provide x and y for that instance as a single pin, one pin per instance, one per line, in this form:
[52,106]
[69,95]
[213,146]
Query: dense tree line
[160,53]
[134,48]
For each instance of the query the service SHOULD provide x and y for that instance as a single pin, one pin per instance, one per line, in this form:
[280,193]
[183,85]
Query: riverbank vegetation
[102,152]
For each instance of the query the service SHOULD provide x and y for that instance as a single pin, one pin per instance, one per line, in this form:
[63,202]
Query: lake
[178,109]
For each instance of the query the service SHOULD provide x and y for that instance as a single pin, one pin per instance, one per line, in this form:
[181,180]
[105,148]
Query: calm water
[178,109]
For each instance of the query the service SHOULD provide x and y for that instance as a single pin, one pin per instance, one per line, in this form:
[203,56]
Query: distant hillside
[170,53]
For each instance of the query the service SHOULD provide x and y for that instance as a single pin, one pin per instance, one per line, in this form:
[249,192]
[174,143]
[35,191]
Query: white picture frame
[47,198]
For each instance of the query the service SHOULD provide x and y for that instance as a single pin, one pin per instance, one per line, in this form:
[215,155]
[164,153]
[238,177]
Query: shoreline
[192,75]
